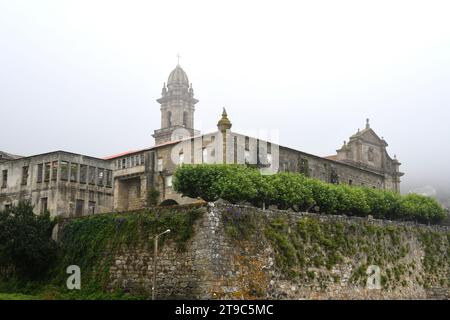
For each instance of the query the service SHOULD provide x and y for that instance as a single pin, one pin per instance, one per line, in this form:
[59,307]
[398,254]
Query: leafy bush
[200,180]
[351,201]
[290,191]
[421,209]
[237,183]
[26,248]
[152,197]
[324,195]
[383,204]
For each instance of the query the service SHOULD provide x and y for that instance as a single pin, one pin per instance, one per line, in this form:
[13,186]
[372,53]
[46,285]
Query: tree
[26,247]
[152,197]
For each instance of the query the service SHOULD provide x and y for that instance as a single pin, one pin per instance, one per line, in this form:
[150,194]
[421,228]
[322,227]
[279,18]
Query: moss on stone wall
[92,242]
[311,248]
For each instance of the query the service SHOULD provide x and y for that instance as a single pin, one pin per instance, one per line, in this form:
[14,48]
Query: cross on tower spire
[178,57]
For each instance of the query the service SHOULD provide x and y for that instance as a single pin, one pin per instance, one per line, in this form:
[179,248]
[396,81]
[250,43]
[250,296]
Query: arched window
[185,118]
[169,118]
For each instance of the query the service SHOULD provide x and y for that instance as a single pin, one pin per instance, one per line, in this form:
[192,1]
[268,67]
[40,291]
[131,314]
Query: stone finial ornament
[224,123]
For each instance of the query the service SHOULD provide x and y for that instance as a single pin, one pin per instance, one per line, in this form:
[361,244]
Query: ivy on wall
[310,249]
[91,242]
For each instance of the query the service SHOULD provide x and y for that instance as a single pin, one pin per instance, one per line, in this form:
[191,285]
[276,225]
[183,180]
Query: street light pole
[155,257]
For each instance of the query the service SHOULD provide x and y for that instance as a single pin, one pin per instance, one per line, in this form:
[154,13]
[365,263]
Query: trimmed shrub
[289,190]
[324,195]
[382,204]
[237,183]
[199,181]
[422,209]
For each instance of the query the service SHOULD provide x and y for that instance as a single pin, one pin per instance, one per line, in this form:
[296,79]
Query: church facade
[68,184]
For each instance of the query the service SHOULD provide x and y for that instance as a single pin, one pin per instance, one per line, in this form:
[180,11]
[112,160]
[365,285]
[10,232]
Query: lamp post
[155,257]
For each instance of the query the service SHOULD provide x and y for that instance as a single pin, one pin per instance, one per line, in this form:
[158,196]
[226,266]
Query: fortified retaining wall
[242,252]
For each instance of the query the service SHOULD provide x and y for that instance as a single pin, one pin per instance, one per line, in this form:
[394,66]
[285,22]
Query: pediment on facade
[368,135]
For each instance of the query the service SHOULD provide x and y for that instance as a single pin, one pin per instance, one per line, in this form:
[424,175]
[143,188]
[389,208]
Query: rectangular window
[44,202]
[181,158]
[24,175]
[142,162]
[118,164]
[40,168]
[4,178]
[159,167]
[64,170]
[205,155]
[247,156]
[91,175]
[100,199]
[100,176]
[133,161]
[138,190]
[124,163]
[247,143]
[91,195]
[79,207]
[48,167]
[83,173]
[109,178]
[91,207]
[54,170]
[269,159]
[73,172]
[169,181]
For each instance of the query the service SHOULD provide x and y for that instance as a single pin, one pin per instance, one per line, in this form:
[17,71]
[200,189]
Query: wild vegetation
[309,249]
[26,248]
[237,183]
[33,264]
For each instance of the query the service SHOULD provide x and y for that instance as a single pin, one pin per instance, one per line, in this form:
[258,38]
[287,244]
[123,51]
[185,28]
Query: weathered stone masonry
[217,266]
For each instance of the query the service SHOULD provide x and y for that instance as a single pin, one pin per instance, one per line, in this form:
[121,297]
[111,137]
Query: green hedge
[237,183]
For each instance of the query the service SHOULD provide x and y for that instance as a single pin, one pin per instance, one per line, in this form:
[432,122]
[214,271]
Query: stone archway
[168,202]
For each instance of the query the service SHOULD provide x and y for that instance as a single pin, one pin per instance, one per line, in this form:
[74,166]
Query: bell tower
[177,108]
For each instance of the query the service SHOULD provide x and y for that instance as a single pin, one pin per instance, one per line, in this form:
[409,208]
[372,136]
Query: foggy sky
[83,76]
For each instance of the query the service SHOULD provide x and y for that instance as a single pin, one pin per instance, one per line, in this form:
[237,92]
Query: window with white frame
[169,181]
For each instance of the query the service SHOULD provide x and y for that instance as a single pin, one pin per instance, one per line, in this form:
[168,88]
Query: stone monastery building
[68,184]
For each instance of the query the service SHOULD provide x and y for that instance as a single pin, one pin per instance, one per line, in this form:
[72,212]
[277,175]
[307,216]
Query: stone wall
[323,169]
[218,263]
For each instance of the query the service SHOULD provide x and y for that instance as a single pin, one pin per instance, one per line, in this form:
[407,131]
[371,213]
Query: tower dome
[178,77]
